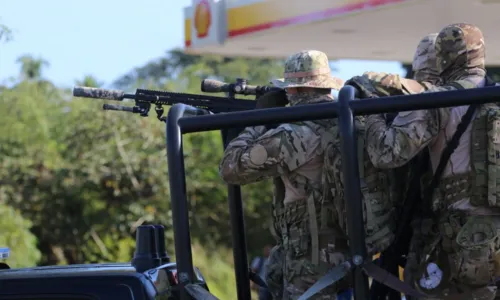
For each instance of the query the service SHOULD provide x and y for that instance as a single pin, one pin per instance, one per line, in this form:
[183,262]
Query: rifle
[145,98]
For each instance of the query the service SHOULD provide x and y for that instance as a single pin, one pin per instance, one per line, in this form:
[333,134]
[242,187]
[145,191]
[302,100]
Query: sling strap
[447,152]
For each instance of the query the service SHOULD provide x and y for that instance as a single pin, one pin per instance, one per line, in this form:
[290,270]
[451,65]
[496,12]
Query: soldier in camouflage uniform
[311,240]
[459,261]
[424,68]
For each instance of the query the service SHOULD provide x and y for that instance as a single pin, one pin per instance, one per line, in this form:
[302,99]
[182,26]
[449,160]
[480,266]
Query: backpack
[377,203]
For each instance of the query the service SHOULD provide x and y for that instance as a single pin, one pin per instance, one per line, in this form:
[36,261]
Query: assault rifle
[145,98]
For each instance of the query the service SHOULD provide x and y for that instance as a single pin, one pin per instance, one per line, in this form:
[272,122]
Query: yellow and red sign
[271,14]
[202,18]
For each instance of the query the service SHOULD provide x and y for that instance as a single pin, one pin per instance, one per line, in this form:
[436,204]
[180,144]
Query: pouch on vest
[485,157]
[297,238]
[484,183]
[477,243]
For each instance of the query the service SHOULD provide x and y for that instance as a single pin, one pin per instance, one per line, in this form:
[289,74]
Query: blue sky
[106,38]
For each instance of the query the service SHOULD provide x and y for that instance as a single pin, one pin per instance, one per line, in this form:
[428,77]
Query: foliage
[218,269]
[5,33]
[17,235]
[180,72]
[86,178]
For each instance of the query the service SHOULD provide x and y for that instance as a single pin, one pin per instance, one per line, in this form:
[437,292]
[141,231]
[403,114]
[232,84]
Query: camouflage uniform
[377,191]
[424,61]
[311,241]
[425,69]
[459,262]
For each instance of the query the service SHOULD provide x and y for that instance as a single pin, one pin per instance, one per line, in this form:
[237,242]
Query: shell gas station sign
[202,19]
[207,25]
[344,29]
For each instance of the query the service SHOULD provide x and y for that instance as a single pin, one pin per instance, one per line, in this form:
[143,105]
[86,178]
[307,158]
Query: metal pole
[178,199]
[352,196]
[238,234]
[329,110]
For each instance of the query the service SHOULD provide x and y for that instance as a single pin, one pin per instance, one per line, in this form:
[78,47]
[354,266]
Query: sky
[107,38]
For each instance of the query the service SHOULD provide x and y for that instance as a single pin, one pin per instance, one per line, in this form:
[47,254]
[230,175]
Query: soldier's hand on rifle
[272,99]
[363,86]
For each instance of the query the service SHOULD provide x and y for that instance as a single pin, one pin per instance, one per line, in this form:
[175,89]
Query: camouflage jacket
[291,151]
[391,146]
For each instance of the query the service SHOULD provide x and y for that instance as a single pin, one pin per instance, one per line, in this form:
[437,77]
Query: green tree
[90,81]
[17,236]
[5,33]
[183,72]
[31,68]
[86,178]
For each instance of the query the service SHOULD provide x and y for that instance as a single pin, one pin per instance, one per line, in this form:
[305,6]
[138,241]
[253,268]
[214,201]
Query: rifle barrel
[98,93]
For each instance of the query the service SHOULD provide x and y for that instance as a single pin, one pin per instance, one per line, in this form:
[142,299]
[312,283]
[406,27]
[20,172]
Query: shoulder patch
[258,155]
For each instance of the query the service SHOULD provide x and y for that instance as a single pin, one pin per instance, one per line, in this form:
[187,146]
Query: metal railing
[345,109]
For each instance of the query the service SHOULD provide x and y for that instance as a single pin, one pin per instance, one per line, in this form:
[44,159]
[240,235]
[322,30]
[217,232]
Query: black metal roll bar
[178,197]
[354,210]
[345,109]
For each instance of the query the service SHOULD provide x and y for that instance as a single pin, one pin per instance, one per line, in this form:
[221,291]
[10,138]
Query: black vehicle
[151,275]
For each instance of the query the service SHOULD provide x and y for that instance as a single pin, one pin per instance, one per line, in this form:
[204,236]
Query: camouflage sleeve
[375,84]
[391,146]
[255,155]
[385,84]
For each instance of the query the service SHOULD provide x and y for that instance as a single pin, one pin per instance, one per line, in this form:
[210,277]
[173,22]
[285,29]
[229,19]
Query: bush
[218,269]
[17,236]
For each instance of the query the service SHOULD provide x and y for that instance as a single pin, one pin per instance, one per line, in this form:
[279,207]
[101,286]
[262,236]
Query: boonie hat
[308,68]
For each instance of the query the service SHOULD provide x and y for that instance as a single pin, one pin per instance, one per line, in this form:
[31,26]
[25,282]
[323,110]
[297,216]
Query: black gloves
[363,86]
[272,99]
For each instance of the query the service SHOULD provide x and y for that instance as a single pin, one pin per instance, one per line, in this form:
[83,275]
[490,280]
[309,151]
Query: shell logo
[202,18]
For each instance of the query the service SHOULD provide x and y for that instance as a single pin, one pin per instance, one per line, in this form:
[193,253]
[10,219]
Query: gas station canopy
[344,29]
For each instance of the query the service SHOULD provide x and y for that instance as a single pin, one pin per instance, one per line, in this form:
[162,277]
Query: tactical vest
[471,241]
[326,216]
[303,226]
[482,183]
[377,202]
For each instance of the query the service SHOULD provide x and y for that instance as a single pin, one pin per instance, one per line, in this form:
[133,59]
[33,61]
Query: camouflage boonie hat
[309,68]
[460,45]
